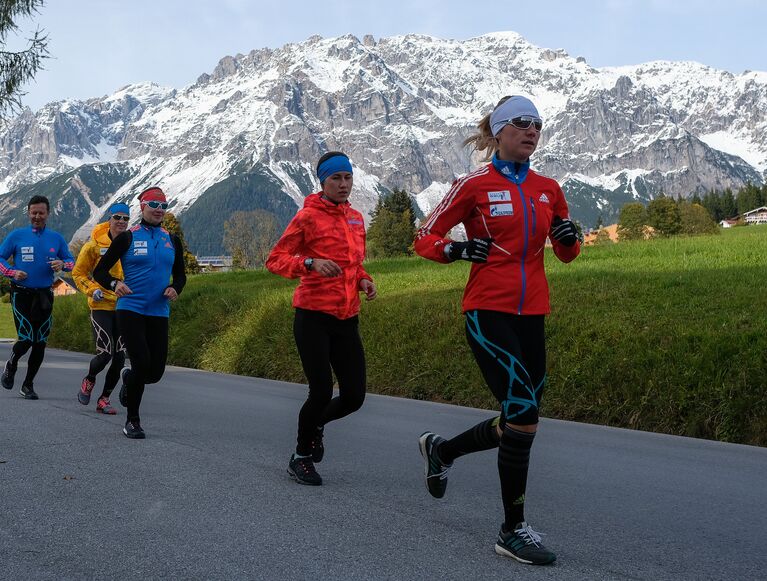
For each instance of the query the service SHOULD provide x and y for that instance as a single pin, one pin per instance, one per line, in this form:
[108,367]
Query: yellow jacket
[89,256]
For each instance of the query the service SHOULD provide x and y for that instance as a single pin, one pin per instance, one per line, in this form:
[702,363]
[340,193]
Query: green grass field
[7,328]
[666,335]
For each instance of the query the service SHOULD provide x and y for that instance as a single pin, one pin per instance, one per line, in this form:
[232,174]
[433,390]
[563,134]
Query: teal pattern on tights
[514,405]
[25,329]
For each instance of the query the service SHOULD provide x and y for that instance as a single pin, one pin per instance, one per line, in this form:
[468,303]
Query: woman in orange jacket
[101,301]
[508,211]
[324,246]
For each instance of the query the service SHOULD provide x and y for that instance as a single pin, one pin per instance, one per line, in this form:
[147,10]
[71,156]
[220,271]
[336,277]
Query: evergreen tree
[632,220]
[18,68]
[399,201]
[712,203]
[600,222]
[663,215]
[728,205]
[749,198]
[173,226]
[392,226]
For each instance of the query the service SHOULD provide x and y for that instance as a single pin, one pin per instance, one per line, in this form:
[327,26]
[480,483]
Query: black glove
[564,231]
[475,250]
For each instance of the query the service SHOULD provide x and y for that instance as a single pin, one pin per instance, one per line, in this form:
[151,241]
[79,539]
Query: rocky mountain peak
[247,134]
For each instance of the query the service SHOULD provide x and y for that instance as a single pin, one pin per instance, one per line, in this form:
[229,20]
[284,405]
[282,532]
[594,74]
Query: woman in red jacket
[508,211]
[324,245]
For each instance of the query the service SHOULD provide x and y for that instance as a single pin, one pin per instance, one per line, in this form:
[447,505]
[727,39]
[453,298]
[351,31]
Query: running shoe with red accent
[105,407]
[301,468]
[86,387]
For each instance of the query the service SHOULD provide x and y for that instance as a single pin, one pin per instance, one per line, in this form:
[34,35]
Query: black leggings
[511,353]
[146,340]
[326,345]
[32,315]
[109,347]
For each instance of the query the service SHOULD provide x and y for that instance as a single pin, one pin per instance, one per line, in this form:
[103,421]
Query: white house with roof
[756,216]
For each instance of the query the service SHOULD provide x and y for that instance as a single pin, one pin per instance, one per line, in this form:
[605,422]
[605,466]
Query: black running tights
[328,345]
[146,340]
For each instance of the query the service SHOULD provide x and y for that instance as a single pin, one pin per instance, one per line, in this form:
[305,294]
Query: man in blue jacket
[38,254]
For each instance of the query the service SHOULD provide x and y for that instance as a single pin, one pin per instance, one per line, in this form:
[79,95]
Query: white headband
[512,108]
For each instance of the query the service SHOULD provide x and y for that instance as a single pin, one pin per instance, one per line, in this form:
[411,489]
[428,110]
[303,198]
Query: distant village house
[62,288]
[215,263]
[756,216]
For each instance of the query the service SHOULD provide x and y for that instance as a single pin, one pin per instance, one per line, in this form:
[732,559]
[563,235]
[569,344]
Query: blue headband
[119,208]
[511,108]
[333,165]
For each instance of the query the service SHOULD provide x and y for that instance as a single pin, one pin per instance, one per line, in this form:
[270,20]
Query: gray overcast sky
[101,45]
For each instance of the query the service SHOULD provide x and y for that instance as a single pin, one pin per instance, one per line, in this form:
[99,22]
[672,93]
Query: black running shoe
[434,470]
[124,388]
[301,468]
[6,379]
[318,448]
[133,430]
[524,545]
[28,392]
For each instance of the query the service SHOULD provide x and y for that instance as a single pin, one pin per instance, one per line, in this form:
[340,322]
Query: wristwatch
[308,263]
[113,284]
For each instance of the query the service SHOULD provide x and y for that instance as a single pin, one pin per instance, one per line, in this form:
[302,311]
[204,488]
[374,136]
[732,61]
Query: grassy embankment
[666,335]
[7,328]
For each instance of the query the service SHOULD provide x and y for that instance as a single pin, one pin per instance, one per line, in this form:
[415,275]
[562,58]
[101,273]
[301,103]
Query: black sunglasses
[525,121]
[117,218]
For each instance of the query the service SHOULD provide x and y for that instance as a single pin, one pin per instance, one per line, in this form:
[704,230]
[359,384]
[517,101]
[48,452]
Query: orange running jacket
[323,229]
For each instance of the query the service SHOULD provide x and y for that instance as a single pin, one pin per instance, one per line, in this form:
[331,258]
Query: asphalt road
[206,495]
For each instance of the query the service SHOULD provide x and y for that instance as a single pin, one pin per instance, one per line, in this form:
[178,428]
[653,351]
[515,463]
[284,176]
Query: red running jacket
[323,229]
[518,215]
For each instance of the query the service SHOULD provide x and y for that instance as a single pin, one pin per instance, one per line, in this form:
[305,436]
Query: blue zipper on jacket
[516,173]
[524,253]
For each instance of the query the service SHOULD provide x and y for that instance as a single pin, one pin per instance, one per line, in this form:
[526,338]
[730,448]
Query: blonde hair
[484,140]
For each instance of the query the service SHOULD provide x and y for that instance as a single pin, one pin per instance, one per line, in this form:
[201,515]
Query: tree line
[697,214]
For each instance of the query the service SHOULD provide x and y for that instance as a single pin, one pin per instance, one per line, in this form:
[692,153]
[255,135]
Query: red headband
[151,195]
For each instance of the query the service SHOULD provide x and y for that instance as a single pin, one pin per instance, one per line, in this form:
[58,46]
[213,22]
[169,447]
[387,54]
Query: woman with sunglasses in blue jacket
[149,255]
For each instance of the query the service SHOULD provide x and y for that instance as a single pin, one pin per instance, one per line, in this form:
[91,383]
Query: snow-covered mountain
[248,134]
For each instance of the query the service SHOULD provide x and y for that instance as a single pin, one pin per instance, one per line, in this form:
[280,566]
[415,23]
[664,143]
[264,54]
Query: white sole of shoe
[504,552]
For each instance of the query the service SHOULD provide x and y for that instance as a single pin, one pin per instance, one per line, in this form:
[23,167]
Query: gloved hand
[475,250]
[98,295]
[564,231]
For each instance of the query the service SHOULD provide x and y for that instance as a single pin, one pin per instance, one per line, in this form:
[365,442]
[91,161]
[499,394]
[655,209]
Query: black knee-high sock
[34,362]
[513,462]
[483,436]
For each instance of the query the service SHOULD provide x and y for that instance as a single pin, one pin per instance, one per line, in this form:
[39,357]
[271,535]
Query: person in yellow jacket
[101,301]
